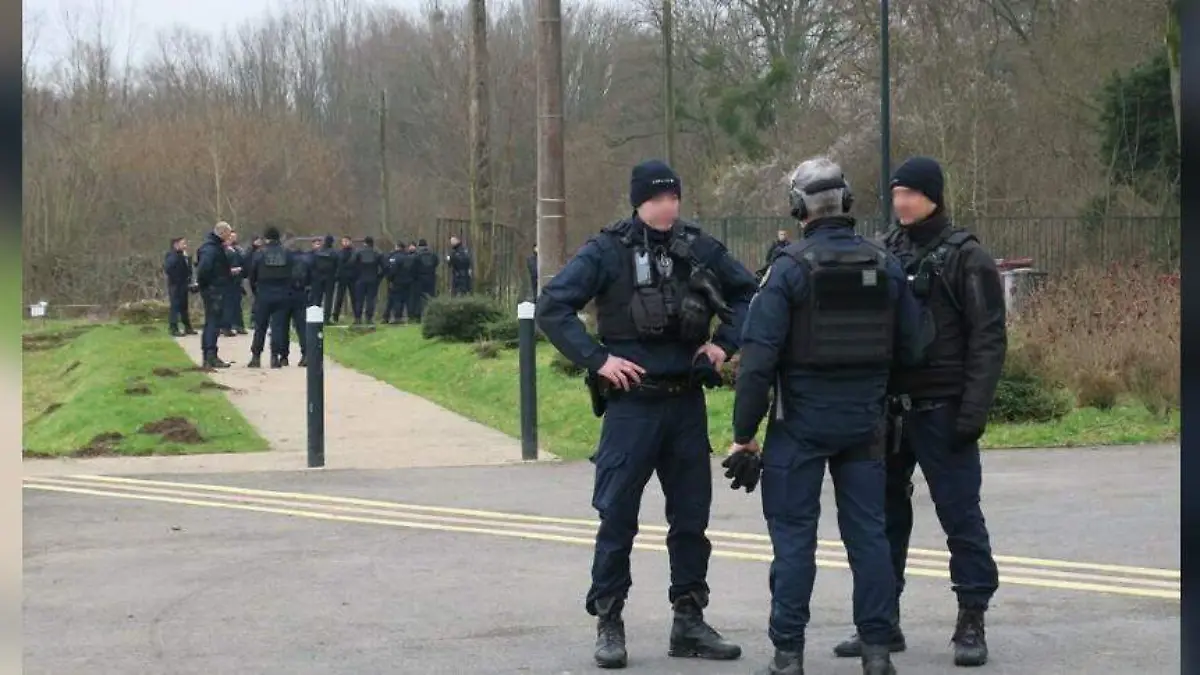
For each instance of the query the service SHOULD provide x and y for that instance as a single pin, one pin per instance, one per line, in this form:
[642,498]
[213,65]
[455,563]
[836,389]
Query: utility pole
[885,121]
[551,204]
[384,184]
[668,20]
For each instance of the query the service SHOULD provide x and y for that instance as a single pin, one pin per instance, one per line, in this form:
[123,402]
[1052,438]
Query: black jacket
[965,304]
[212,265]
[177,268]
[346,271]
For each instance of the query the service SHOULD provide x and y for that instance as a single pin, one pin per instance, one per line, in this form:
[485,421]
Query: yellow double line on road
[1021,571]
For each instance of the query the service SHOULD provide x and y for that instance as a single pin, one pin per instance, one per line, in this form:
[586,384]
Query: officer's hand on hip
[713,352]
[621,373]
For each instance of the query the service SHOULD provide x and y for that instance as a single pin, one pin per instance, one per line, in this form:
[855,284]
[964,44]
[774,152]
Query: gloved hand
[704,372]
[744,467]
[702,282]
[966,432]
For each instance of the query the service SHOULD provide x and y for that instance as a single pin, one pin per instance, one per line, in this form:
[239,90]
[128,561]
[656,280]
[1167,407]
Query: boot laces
[610,630]
[969,630]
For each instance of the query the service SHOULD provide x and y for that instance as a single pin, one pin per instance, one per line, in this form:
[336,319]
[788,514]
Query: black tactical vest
[276,264]
[932,281]
[847,317]
[325,263]
[367,257]
[648,311]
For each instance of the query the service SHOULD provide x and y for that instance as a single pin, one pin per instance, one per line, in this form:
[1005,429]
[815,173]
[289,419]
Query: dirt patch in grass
[51,408]
[173,429]
[166,372]
[101,445]
[207,384]
[73,366]
[36,342]
[137,389]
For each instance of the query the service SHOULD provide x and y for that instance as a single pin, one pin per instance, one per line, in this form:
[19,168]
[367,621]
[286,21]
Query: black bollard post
[315,371]
[528,355]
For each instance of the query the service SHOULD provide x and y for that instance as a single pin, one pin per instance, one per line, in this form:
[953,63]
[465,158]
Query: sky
[133,24]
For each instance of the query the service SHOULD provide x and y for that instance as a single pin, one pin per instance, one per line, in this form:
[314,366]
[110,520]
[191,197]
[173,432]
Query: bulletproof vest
[645,299]
[324,262]
[428,261]
[367,257]
[847,316]
[931,280]
[276,264]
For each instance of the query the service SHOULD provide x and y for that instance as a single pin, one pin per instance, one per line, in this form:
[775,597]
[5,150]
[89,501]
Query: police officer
[832,312]
[399,276]
[657,282]
[301,291]
[234,321]
[178,270]
[425,282]
[368,266]
[941,406]
[531,265]
[324,274]
[272,278]
[345,277]
[214,279]
[459,261]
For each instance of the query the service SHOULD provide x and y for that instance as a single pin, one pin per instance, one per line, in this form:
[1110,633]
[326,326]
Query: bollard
[528,356]
[315,372]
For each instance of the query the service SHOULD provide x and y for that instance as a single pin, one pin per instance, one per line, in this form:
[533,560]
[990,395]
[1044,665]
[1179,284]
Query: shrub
[1022,395]
[1100,329]
[143,312]
[565,366]
[464,318]
[486,349]
[505,330]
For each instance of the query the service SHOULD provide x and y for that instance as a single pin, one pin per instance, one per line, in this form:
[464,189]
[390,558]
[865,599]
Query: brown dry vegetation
[278,120]
[1105,334]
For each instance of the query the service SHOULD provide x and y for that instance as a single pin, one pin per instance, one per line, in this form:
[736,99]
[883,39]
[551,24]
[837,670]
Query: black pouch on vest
[649,310]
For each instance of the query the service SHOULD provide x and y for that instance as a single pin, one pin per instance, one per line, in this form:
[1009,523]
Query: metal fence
[1056,245]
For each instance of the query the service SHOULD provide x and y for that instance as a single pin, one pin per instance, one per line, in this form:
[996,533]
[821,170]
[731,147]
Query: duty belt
[659,386]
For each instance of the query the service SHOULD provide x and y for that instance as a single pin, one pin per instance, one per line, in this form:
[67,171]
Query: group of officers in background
[283,281]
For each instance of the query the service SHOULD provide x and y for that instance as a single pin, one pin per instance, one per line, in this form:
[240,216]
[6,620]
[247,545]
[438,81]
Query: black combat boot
[784,663]
[275,362]
[303,361]
[255,361]
[211,361]
[283,362]
[691,637]
[851,647]
[970,643]
[175,332]
[877,660]
[226,333]
[189,331]
[610,634]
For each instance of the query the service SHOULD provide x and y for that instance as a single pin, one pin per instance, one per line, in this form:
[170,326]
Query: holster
[597,390]
[897,409]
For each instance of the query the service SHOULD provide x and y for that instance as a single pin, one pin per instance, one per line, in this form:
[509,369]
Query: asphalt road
[195,574]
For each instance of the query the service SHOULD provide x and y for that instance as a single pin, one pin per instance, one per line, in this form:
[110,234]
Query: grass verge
[104,389]
[486,390]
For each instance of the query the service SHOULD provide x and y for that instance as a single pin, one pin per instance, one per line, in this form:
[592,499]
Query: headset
[796,195]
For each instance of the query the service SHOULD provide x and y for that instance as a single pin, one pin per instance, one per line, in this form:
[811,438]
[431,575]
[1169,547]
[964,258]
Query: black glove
[705,373]
[966,432]
[702,282]
[744,467]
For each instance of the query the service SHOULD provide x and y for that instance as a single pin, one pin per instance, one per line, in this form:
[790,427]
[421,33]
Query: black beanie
[328,240]
[923,175]
[650,179]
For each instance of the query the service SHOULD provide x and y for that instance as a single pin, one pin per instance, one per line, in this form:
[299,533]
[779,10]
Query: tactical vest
[627,310]
[847,317]
[367,257]
[324,263]
[276,265]
[941,373]
[428,260]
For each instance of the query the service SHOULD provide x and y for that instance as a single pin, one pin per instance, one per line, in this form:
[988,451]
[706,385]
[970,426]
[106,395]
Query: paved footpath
[482,570]
[369,424]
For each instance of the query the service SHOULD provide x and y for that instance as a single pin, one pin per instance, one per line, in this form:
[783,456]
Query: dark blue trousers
[322,295]
[365,293]
[641,436]
[177,295]
[272,308]
[233,318]
[214,313]
[296,309]
[793,472]
[954,475]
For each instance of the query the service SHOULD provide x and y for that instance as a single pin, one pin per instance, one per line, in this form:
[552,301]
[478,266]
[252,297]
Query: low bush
[487,349]
[143,312]
[1023,395]
[1107,333]
[464,318]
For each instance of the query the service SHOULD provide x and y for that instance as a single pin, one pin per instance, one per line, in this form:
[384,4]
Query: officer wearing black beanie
[945,401]
[657,284]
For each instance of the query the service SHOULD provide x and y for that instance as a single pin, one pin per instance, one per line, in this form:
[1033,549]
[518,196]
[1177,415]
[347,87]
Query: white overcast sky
[133,24]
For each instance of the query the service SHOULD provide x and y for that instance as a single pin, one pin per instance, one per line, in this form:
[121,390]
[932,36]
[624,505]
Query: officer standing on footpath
[324,273]
[653,279]
[234,321]
[832,313]
[272,275]
[178,270]
[345,278]
[459,261]
[214,278]
[940,408]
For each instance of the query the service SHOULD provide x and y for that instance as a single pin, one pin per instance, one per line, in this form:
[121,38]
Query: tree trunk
[1173,60]
[481,189]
